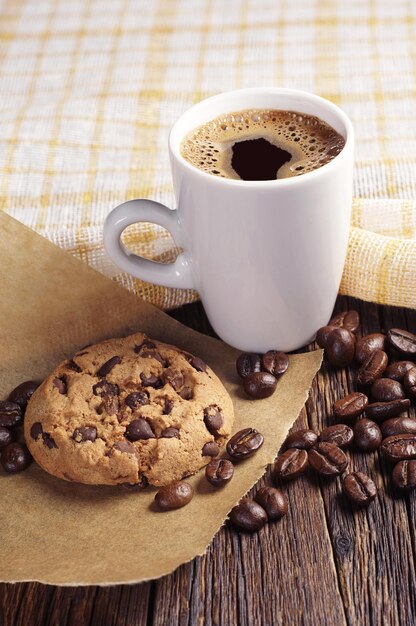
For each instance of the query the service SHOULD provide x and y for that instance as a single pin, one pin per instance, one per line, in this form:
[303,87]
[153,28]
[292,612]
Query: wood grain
[323,564]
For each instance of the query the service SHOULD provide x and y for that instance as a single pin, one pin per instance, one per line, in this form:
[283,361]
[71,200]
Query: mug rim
[174,144]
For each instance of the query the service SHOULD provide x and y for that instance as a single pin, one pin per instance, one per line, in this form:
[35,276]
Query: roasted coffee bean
[211,449]
[399,447]
[213,419]
[137,399]
[290,464]
[340,347]
[139,429]
[170,433]
[302,439]
[359,488]
[219,472]
[380,411]
[84,433]
[15,458]
[248,515]
[386,390]
[404,475]
[372,368]
[367,435]
[410,382]
[108,366]
[10,414]
[151,381]
[244,443]
[397,370]
[398,426]
[259,385]
[5,437]
[347,319]
[60,384]
[351,406]
[104,388]
[248,363]
[369,344]
[275,362]
[323,334]
[339,434]
[273,501]
[174,378]
[186,393]
[174,496]
[23,392]
[327,459]
[402,341]
[36,430]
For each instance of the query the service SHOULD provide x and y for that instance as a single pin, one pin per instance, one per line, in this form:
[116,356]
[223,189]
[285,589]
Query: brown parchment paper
[62,533]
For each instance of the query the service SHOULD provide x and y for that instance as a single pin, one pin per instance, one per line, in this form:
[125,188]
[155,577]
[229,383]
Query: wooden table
[322,565]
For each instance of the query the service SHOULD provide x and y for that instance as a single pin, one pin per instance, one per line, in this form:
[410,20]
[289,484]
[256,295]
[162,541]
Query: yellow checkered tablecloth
[90,89]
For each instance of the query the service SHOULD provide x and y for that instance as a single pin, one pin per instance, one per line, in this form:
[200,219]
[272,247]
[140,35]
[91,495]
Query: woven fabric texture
[90,88]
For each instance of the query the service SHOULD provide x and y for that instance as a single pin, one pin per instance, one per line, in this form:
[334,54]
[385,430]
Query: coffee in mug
[262,144]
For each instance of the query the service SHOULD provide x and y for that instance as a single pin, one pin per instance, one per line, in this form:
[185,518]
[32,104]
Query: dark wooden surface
[322,565]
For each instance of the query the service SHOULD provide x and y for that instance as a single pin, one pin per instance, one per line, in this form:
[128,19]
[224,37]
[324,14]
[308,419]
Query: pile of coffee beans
[371,418]
[14,455]
[218,472]
[260,373]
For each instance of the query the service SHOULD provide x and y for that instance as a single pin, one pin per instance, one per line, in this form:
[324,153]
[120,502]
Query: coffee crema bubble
[261,144]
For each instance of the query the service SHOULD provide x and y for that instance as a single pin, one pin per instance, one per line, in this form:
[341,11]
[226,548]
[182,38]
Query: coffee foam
[311,141]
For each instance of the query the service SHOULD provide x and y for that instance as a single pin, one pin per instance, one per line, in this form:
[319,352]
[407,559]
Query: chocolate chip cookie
[131,410]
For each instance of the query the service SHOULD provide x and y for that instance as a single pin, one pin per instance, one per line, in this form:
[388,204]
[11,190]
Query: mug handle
[176,274]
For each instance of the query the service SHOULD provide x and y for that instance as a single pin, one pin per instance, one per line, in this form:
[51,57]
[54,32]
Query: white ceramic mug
[265,256]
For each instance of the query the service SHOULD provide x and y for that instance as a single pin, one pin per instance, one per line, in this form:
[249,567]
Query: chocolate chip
[213,419]
[48,441]
[104,388]
[210,449]
[73,366]
[174,378]
[151,381]
[152,354]
[186,393]
[139,486]
[108,366]
[145,344]
[169,404]
[198,364]
[15,458]
[110,404]
[23,392]
[139,429]
[36,430]
[170,433]
[11,414]
[5,437]
[125,446]
[137,399]
[60,384]
[84,433]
